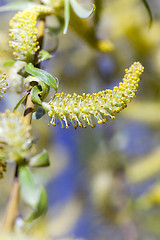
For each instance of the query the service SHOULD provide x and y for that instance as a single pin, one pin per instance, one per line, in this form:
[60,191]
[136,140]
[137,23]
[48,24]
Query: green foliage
[44,76]
[8,63]
[149,11]
[44,55]
[16,5]
[35,92]
[81,11]
[20,102]
[34,195]
[40,160]
[78,9]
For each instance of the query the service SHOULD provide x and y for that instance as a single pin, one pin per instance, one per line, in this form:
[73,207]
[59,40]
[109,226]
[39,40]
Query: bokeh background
[103,183]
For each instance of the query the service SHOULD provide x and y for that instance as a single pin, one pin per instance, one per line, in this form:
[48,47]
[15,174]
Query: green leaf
[44,88]
[53,30]
[23,72]
[66,15]
[35,196]
[20,101]
[43,55]
[40,160]
[19,5]
[98,12]
[36,90]
[81,11]
[41,207]
[44,76]
[8,63]
[38,114]
[31,79]
[29,190]
[149,11]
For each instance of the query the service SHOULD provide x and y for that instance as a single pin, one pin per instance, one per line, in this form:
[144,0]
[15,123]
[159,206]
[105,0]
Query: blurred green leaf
[32,194]
[41,207]
[14,6]
[20,101]
[36,90]
[23,72]
[66,15]
[149,11]
[40,160]
[81,11]
[8,63]
[99,8]
[43,55]
[53,30]
[44,76]
[29,190]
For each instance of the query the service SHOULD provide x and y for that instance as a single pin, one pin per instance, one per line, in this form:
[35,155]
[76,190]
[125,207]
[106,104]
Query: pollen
[15,137]
[3,84]
[23,32]
[97,107]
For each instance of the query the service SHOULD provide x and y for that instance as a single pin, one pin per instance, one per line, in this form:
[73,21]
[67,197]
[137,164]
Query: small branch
[29,108]
[12,209]
[13,203]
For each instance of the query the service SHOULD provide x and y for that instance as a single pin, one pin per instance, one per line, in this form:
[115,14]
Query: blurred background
[103,183]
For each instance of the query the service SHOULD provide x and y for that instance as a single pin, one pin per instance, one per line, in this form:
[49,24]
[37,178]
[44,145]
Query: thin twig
[12,208]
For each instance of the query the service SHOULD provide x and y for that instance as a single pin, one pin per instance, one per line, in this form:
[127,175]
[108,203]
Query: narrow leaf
[40,160]
[149,11]
[80,10]
[31,79]
[66,15]
[23,72]
[44,87]
[44,76]
[36,90]
[8,63]
[41,207]
[98,12]
[20,101]
[43,55]
[19,5]
[29,190]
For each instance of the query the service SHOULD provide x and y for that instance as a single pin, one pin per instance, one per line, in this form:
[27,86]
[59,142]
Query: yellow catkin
[80,110]
[3,84]
[23,32]
[15,137]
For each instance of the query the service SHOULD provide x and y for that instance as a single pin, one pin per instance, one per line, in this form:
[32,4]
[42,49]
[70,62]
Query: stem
[13,203]
[12,208]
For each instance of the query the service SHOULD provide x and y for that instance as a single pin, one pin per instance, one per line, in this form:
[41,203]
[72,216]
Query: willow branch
[13,203]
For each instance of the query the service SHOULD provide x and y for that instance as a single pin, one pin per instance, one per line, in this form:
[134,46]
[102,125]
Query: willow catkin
[80,110]
[23,32]
[3,84]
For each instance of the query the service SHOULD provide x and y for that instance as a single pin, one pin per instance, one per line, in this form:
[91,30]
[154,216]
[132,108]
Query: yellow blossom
[3,84]
[23,32]
[15,137]
[80,110]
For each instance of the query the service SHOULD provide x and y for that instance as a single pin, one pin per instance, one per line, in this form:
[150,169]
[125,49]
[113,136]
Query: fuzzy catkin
[23,32]
[16,142]
[3,84]
[80,110]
